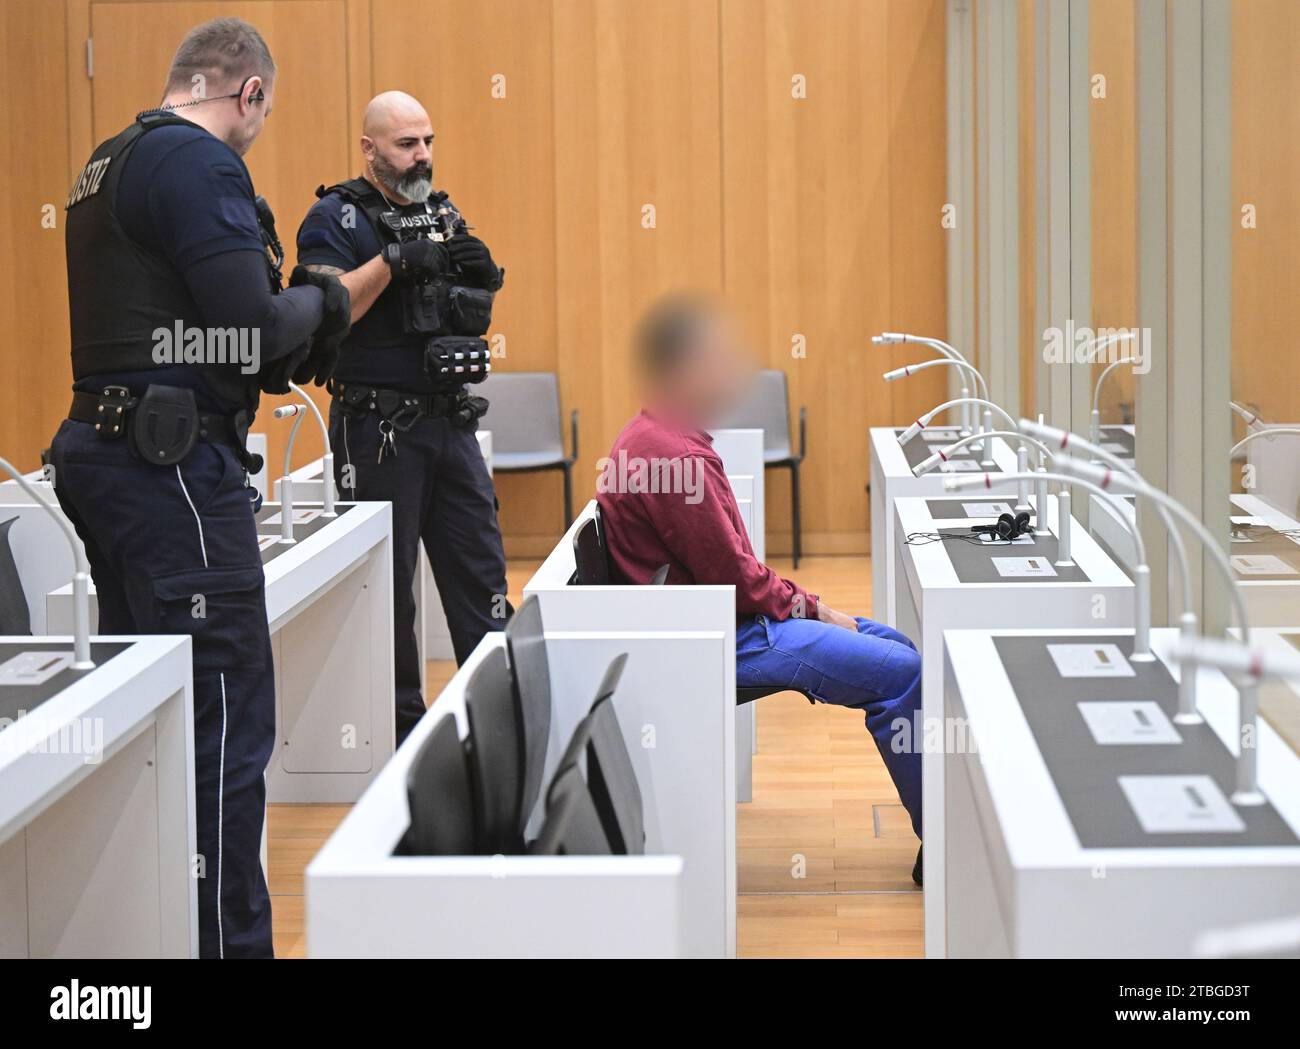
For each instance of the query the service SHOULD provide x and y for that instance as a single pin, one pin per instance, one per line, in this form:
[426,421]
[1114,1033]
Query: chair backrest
[531,675]
[611,779]
[496,751]
[610,788]
[766,408]
[572,826]
[590,554]
[523,412]
[15,617]
[439,796]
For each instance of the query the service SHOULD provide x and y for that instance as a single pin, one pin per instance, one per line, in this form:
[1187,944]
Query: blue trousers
[173,550]
[442,495]
[877,670]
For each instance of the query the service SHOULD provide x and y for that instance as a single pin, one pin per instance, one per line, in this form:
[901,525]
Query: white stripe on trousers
[221,767]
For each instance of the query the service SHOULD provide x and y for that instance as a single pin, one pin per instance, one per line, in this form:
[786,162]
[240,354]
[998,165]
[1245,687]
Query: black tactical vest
[119,291]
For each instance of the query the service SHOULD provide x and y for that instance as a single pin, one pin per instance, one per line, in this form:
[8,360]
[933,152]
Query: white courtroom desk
[1078,829]
[1265,554]
[329,606]
[431,628]
[892,478]
[365,901]
[41,552]
[677,705]
[97,828]
[741,452]
[954,584]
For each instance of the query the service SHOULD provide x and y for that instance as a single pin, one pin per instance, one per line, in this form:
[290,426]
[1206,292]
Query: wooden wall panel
[495,155]
[636,127]
[35,368]
[1030,342]
[1113,146]
[818,217]
[831,208]
[1266,174]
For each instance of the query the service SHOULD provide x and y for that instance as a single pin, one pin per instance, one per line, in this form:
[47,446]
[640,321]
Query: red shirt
[665,499]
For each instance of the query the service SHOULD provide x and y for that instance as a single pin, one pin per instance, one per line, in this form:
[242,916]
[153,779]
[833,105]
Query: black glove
[336,322]
[473,259]
[419,259]
[274,378]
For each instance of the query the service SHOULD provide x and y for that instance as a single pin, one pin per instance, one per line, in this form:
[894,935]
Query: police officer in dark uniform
[177,325]
[402,422]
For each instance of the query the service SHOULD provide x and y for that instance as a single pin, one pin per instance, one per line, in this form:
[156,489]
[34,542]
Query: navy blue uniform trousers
[173,550]
[442,495]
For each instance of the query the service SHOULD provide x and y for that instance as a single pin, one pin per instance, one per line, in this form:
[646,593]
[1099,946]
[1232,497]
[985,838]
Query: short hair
[670,331]
[226,51]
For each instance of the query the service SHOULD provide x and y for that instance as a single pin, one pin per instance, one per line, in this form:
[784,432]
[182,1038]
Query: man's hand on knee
[828,615]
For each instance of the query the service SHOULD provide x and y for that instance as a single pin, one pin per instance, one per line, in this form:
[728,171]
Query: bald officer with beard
[402,420]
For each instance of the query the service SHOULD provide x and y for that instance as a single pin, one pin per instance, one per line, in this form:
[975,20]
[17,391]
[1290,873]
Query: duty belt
[391,404]
[110,413]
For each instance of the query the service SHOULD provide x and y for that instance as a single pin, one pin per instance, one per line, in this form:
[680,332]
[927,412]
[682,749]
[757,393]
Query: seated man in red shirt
[664,499]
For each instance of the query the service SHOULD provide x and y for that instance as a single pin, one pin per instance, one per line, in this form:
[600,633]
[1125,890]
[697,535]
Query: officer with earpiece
[178,323]
[402,421]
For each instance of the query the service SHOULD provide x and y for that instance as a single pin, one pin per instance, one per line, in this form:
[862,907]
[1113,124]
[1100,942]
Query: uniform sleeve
[702,536]
[325,239]
[201,202]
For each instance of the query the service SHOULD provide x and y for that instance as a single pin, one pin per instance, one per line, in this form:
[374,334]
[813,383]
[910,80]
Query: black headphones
[1007,527]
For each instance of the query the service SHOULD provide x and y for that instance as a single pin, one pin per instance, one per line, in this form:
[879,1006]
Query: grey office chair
[767,408]
[14,615]
[531,673]
[440,797]
[496,756]
[524,417]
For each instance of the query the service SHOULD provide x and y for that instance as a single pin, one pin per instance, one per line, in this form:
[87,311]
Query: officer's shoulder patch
[89,182]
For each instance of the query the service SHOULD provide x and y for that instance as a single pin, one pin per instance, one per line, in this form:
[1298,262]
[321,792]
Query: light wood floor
[824,851]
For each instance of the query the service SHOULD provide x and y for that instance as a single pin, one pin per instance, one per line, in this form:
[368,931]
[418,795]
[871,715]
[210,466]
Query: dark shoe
[917,867]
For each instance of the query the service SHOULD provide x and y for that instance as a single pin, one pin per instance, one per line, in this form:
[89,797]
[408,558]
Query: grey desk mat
[973,562]
[953,509]
[1267,540]
[16,700]
[1087,774]
[918,449]
[300,531]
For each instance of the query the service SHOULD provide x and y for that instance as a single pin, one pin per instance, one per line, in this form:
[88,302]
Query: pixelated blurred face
[713,377]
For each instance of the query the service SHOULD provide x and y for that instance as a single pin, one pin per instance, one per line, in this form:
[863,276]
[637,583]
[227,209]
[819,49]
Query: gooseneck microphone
[1247,792]
[80,572]
[1062,439]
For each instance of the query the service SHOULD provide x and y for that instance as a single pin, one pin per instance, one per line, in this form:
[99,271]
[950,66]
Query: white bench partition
[364,901]
[741,452]
[676,704]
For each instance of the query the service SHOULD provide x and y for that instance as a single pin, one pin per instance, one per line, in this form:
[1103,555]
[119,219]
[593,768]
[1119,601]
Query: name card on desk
[301,515]
[1090,661]
[1124,722]
[1180,804]
[1261,564]
[1023,567]
[985,509]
